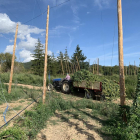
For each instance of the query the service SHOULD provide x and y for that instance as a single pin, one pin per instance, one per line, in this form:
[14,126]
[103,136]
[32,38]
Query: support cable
[39,15]
[19,113]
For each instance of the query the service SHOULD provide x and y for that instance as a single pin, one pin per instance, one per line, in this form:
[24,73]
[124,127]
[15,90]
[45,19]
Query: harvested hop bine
[109,87]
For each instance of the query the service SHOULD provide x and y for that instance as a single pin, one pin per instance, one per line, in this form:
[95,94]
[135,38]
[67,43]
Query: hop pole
[121,65]
[13,60]
[45,62]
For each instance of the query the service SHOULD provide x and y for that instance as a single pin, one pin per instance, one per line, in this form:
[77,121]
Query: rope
[6,100]
[4,114]
[18,113]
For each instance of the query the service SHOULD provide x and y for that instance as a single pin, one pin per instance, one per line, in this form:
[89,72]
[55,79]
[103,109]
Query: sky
[91,24]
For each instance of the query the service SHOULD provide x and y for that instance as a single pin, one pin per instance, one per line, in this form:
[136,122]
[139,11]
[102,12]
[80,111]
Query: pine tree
[59,59]
[38,62]
[81,58]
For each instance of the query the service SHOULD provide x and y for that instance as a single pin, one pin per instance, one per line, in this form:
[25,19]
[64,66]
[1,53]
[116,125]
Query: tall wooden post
[71,67]
[68,67]
[45,62]
[78,62]
[93,67]
[129,68]
[121,65]
[62,67]
[13,60]
[134,69]
[98,66]
[126,70]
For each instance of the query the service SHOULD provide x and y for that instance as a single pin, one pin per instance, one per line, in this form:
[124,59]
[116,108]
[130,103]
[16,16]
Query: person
[67,77]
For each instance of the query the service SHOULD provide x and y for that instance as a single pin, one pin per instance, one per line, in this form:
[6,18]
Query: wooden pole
[120,47]
[13,60]
[71,67]
[134,69]
[45,62]
[78,62]
[93,67]
[126,70]
[68,67]
[62,67]
[129,68]
[98,66]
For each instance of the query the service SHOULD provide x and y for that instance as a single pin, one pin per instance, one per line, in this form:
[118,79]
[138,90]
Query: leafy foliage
[110,88]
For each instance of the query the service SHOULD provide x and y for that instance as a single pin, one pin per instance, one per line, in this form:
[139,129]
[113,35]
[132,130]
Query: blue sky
[90,23]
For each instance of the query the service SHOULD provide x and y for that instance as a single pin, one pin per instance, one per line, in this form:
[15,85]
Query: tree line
[61,64]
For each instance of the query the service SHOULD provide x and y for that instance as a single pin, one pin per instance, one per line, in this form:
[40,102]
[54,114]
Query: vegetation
[38,62]
[110,88]
[36,119]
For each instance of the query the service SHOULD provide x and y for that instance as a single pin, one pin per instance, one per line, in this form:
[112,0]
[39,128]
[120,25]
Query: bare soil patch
[72,125]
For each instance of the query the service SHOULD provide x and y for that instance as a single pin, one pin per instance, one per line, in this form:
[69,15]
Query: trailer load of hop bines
[90,85]
[109,87]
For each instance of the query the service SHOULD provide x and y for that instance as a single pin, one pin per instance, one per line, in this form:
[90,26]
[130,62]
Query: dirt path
[72,125]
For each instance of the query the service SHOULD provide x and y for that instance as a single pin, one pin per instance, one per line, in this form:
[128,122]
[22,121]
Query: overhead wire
[38,15]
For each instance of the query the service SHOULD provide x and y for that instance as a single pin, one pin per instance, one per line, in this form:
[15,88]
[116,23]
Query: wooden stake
[121,65]
[45,62]
[13,60]
[78,62]
[62,67]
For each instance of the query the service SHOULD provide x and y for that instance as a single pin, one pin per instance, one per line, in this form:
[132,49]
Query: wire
[38,15]
[18,113]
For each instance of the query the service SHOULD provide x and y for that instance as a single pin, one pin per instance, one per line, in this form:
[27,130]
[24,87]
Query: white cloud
[9,49]
[58,30]
[58,51]
[75,9]
[49,52]
[11,40]
[88,12]
[26,55]
[70,42]
[24,31]
[8,26]
[102,3]
[28,44]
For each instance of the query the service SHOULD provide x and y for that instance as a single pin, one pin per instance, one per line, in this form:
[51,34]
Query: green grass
[27,79]
[35,120]
[21,101]
[17,93]
[17,108]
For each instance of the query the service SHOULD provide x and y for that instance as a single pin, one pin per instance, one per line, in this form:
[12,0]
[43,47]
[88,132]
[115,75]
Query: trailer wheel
[88,94]
[65,87]
[50,87]
[102,97]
